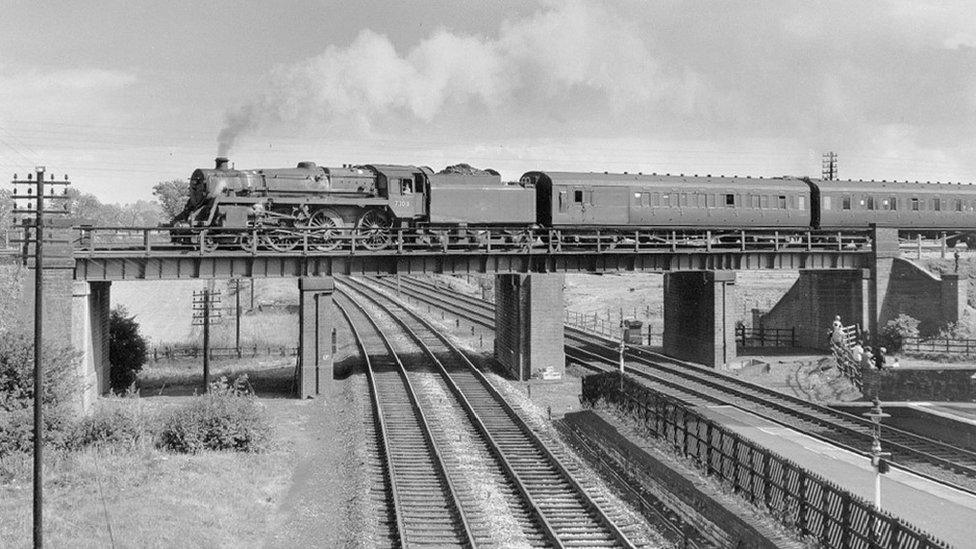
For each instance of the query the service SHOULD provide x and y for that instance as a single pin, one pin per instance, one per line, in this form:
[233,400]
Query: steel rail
[393,494]
[956,464]
[468,369]
[547,530]
[462,531]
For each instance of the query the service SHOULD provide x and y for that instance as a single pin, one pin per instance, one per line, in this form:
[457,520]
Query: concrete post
[698,323]
[316,318]
[529,314]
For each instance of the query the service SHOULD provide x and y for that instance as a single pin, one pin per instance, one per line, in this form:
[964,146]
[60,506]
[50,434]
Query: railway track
[425,502]
[468,422]
[697,385]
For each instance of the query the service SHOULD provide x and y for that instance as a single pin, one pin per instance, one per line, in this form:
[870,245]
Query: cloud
[833,76]
[568,52]
[41,81]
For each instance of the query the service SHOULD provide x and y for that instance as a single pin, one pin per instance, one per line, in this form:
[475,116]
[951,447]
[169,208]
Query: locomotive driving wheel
[282,239]
[326,225]
[374,229]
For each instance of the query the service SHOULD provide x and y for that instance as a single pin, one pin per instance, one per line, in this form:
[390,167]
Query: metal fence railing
[765,337]
[817,508]
[169,352]
[939,345]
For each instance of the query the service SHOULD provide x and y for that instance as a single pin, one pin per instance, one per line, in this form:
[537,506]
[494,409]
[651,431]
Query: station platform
[964,412]
[944,512]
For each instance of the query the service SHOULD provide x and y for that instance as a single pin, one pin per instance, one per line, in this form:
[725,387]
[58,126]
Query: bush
[126,349]
[17,393]
[112,423]
[228,417]
[896,331]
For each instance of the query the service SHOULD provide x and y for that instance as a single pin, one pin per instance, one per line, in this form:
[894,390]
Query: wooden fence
[939,345]
[765,337]
[594,323]
[818,509]
[169,352]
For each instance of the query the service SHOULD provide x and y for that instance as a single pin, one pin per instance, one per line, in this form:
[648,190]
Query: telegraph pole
[237,314]
[828,166]
[206,313]
[37,193]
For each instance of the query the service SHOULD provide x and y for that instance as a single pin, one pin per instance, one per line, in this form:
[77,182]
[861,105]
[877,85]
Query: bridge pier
[90,312]
[529,313]
[698,324]
[316,314]
[870,297]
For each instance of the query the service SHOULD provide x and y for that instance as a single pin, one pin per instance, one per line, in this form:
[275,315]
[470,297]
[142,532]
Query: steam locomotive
[372,199]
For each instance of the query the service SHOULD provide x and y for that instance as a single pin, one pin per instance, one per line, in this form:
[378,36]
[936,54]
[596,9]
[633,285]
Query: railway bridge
[846,272]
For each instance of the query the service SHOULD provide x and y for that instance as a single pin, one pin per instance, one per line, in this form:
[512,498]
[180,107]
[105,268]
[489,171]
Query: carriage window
[937,204]
[637,197]
[914,204]
[755,200]
[674,200]
[701,200]
[802,203]
[406,186]
[562,201]
[684,199]
[958,204]
[764,201]
[845,203]
[894,203]
[782,202]
[862,203]
[578,196]
[886,204]
[711,200]
[656,199]
[730,200]
[645,199]
[870,202]
[826,202]
[665,200]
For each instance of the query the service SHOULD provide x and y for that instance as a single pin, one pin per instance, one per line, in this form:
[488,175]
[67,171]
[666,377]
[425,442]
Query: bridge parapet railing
[456,240]
[818,509]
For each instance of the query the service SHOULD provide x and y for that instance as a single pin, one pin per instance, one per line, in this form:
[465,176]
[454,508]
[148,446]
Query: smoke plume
[565,49]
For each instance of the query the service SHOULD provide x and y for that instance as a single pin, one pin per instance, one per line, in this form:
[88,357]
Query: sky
[123,94]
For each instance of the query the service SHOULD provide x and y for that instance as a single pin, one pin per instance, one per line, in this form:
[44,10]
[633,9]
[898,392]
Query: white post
[877,489]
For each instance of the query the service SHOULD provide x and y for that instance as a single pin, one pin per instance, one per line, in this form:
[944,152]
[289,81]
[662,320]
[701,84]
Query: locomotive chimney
[222,163]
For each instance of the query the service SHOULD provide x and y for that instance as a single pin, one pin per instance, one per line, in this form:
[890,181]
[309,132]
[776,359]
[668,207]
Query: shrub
[896,331]
[126,349]
[112,423]
[228,417]
[17,392]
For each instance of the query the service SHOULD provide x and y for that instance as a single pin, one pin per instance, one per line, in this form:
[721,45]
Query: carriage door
[577,205]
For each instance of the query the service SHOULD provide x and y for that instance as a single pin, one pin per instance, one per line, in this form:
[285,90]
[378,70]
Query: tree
[86,208]
[895,332]
[127,349]
[172,196]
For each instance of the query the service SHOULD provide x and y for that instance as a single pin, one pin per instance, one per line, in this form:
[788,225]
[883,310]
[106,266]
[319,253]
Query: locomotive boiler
[369,200]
